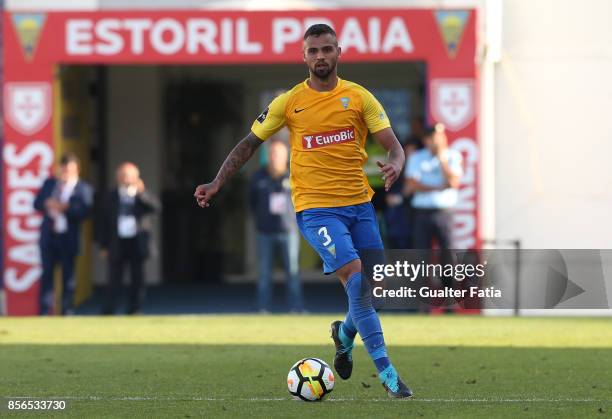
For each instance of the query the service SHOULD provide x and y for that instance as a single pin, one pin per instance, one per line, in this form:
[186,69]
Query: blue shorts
[338,234]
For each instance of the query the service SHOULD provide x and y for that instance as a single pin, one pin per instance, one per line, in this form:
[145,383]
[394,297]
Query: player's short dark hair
[319,29]
[69,157]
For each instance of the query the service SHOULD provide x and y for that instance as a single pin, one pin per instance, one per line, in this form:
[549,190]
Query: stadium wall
[553,93]
[552,125]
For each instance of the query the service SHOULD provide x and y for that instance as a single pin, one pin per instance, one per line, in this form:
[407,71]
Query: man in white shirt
[125,236]
[65,201]
[433,175]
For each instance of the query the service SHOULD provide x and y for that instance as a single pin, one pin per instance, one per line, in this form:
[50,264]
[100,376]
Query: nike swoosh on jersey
[298,110]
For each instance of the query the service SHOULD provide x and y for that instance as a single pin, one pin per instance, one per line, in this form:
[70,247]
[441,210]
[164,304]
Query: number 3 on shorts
[323,232]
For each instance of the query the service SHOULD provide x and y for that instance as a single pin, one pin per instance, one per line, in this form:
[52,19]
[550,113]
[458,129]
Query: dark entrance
[202,123]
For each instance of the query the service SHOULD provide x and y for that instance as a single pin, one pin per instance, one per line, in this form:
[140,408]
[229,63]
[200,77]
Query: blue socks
[389,377]
[363,318]
[347,341]
[348,331]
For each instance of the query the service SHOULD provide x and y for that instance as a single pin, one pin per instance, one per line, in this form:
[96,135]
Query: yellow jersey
[327,132]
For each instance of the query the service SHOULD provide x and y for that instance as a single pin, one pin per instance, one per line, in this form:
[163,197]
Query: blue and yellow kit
[328,131]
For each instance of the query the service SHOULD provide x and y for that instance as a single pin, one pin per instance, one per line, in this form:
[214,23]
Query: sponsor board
[207,37]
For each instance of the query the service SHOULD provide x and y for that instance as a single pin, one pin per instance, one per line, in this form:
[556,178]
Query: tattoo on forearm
[237,157]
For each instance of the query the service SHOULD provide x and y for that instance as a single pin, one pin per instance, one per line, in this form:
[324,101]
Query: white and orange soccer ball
[310,380]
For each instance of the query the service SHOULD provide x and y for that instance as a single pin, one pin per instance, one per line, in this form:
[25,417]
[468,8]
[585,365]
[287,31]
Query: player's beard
[323,72]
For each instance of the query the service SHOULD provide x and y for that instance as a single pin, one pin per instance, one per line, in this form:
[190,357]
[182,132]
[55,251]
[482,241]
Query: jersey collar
[340,82]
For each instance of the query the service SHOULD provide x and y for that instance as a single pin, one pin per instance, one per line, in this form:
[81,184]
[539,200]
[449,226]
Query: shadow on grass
[249,380]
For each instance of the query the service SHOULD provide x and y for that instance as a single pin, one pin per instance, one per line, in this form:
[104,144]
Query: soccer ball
[310,380]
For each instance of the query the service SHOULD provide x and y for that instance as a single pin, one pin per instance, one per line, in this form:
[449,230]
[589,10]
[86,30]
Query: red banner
[35,42]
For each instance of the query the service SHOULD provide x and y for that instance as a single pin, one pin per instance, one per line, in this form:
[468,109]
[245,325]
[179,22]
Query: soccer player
[328,120]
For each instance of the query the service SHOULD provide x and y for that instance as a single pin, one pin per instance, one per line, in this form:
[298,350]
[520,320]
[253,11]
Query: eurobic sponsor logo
[324,139]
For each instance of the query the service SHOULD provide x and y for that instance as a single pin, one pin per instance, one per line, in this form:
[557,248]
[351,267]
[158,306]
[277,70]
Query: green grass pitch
[236,366]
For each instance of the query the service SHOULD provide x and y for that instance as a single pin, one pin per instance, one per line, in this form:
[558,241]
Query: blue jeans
[288,244]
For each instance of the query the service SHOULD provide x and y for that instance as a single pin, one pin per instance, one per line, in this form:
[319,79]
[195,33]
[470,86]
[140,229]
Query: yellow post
[71,117]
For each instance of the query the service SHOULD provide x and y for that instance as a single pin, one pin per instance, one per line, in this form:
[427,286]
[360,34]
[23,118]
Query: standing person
[395,215]
[328,120]
[65,201]
[433,175]
[270,201]
[400,213]
[125,235]
[397,211]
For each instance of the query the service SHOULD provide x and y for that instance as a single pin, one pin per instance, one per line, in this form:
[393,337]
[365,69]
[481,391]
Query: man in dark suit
[125,235]
[65,202]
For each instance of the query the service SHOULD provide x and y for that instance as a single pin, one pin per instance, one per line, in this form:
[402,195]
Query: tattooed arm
[234,161]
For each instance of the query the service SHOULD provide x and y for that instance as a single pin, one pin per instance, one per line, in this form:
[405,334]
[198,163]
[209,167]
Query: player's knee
[345,272]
